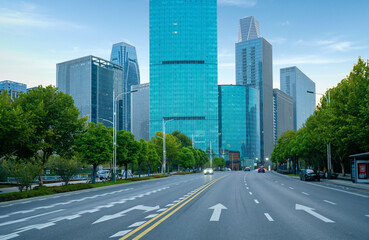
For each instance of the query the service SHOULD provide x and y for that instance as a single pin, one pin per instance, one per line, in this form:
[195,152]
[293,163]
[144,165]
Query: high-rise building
[140,111]
[296,84]
[13,88]
[239,124]
[125,55]
[183,69]
[282,114]
[91,81]
[254,68]
[248,29]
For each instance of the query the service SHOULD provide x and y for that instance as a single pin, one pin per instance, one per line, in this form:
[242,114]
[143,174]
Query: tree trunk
[126,167]
[40,182]
[94,174]
[148,171]
[342,167]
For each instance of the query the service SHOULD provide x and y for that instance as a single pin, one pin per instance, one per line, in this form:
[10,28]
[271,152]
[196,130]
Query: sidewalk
[15,189]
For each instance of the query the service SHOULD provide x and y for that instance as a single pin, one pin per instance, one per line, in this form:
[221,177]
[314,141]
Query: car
[103,174]
[261,169]
[208,171]
[247,169]
[309,174]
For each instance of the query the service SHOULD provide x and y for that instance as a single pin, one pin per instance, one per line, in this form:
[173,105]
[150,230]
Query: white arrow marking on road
[28,218]
[122,213]
[329,202]
[311,212]
[217,211]
[121,233]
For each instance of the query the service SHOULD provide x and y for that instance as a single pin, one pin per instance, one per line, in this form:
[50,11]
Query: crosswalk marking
[269,217]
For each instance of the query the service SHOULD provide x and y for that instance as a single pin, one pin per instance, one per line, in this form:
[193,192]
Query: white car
[208,171]
[103,174]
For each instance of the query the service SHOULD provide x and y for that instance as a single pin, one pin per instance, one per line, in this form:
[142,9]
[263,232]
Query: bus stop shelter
[359,168]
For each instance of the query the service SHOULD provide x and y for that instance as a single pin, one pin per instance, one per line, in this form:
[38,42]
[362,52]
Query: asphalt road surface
[226,205]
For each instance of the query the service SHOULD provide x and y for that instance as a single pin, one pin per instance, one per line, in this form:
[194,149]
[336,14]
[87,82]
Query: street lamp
[115,99]
[329,163]
[164,150]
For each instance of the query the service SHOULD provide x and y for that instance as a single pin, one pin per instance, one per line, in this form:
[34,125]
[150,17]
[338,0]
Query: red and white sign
[362,170]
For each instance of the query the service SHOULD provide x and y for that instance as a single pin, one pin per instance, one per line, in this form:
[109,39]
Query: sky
[322,38]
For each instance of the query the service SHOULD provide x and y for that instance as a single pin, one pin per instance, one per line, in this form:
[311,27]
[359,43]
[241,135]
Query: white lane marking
[176,201]
[291,187]
[217,211]
[162,210]
[247,188]
[329,202]
[269,217]
[250,193]
[246,184]
[256,201]
[282,184]
[152,215]
[28,218]
[169,205]
[367,215]
[9,236]
[311,212]
[121,233]
[307,194]
[136,224]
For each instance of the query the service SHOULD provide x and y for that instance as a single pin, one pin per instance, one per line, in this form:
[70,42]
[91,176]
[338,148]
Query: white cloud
[27,16]
[239,3]
[277,40]
[226,65]
[332,44]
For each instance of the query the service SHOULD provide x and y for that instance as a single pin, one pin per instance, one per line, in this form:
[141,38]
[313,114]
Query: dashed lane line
[256,201]
[137,224]
[250,193]
[307,194]
[291,188]
[329,202]
[269,217]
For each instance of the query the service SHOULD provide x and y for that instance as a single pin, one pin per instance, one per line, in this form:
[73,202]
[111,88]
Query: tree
[152,157]
[186,158]
[65,168]
[219,161]
[142,154]
[203,158]
[15,129]
[23,170]
[172,146]
[54,120]
[183,138]
[127,149]
[95,146]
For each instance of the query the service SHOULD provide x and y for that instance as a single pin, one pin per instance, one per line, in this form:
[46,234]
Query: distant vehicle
[309,174]
[229,170]
[247,169]
[261,169]
[208,171]
[103,174]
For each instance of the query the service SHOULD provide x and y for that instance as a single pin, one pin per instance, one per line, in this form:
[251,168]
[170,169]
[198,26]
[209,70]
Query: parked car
[261,169]
[309,174]
[103,174]
[247,169]
[208,171]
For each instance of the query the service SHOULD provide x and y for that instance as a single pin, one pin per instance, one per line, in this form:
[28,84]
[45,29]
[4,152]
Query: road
[226,205]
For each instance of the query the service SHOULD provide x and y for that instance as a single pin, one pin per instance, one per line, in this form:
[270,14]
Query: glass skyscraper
[296,84]
[283,119]
[90,81]
[254,68]
[183,69]
[140,111]
[239,124]
[125,55]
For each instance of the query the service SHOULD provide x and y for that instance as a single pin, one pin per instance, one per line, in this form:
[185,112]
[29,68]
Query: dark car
[247,169]
[261,169]
[309,174]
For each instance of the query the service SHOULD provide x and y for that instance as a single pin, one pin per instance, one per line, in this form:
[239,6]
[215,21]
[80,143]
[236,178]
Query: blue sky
[322,38]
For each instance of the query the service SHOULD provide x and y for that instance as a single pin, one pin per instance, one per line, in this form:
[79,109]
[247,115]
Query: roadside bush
[65,168]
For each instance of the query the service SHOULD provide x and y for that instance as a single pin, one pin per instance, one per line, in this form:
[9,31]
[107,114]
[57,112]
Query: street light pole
[329,159]
[115,99]
[164,146]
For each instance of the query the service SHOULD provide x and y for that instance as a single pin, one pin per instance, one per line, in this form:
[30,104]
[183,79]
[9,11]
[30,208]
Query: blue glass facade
[91,81]
[13,88]
[296,84]
[254,68]
[183,68]
[239,122]
[125,55]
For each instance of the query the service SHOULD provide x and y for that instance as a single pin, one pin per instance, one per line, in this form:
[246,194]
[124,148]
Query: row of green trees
[42,129]
[343,122]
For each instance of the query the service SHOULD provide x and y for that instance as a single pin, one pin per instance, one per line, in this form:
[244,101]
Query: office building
[13,88]
[239,123]
[282,114]
[91,81]
[140,111]
[254,68]
[296,84]
[183,69]
[125,55]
